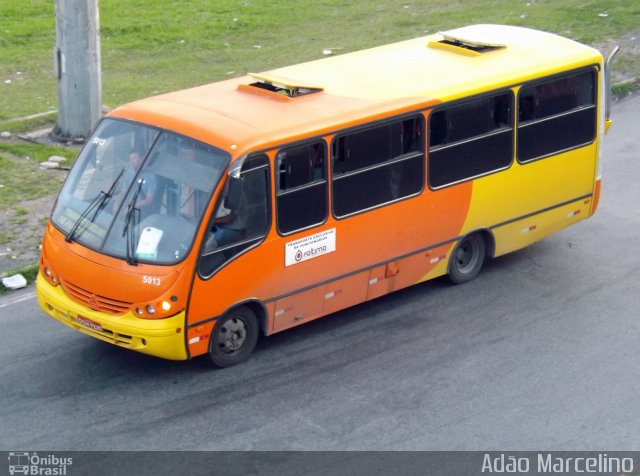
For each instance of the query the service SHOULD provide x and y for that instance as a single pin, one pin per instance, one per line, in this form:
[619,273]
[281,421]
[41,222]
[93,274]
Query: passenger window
[556,115]
[241,218]
[302,187]
[470,139]
[378,165]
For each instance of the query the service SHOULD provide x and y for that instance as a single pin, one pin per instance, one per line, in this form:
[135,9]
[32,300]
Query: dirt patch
[22,222]
[22,232]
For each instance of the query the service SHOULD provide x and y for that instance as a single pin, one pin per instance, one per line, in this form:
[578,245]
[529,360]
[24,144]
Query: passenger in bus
[317,162]
[526,108]
[395,180]
[228,227]
[146,196]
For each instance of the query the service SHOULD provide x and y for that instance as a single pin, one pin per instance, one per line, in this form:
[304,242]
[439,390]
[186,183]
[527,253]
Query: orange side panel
[198,339]
[302,307]
[345,292]
[392,234]
[407,271]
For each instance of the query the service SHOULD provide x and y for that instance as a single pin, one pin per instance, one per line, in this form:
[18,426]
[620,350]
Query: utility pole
[77,67]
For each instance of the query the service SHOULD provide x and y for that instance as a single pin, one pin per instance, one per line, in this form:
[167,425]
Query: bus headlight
[48,273]
[161,309]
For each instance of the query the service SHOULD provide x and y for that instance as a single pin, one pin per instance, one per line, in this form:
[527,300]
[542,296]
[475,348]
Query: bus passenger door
[240,222]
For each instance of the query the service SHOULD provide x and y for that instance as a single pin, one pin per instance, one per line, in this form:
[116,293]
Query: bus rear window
[556,115]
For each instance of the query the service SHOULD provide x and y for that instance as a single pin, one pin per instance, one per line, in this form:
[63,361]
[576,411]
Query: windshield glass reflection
[138,193]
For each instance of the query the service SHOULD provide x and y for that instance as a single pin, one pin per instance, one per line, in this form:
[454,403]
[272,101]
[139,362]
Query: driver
[147,189]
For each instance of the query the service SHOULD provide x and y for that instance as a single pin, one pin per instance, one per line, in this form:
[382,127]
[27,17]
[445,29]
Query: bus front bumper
[159,337]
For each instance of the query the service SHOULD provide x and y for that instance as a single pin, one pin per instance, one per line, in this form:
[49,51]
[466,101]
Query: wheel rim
[232,335]
[467,256]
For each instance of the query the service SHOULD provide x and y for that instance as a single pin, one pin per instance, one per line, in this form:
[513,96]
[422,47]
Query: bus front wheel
[467,258]
[234,337]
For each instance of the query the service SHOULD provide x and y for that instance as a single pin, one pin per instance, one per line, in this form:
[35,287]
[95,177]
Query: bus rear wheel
[467,258]
[234,337]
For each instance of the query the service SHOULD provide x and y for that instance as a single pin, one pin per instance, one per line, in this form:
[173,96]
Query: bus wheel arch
[468,256]
[234,336]
[490,242]
[260,311]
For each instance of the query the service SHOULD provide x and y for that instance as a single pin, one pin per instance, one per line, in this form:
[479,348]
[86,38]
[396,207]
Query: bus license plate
[89,323]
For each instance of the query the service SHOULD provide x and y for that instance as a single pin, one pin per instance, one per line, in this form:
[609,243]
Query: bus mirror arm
[236,168]
[607,79]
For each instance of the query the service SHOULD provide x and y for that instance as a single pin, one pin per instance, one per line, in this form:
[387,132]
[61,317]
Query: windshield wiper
[129,230]
[96,205]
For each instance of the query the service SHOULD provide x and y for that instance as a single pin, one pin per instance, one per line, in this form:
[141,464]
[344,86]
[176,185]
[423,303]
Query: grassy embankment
[151,47]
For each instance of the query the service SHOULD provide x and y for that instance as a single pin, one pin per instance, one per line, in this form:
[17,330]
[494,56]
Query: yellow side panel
[521,233]
[531,188]
[438,257]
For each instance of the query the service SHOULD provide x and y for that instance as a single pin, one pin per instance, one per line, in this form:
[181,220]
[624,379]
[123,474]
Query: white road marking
[24,297]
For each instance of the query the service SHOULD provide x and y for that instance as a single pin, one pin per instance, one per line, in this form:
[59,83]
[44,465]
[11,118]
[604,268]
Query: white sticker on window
[310,247]
[148,244]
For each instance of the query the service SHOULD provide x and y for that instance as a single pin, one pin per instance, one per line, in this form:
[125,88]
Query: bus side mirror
[234,194]
[607,83]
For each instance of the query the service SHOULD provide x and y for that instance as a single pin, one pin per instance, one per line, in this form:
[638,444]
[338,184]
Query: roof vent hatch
[277,88]
[464,46]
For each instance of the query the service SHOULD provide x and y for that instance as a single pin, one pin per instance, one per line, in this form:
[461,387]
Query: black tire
[234,337]
[467,258]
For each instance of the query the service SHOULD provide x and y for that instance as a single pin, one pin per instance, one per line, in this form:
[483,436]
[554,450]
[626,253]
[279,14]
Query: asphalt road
[539,353]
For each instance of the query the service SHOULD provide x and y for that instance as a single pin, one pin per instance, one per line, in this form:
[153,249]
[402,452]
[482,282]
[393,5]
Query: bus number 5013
[151,280]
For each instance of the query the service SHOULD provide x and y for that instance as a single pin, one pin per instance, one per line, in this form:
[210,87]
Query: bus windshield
[138,193]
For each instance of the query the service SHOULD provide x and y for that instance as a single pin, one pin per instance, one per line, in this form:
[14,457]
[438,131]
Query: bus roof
[244,113]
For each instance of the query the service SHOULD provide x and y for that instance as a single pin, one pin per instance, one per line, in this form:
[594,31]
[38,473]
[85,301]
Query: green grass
[151,47]
[29,123]
[5,237]
[36,152]
[23,179]
[625,89]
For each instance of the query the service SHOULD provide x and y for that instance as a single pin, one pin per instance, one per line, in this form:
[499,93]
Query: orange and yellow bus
[194,221]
